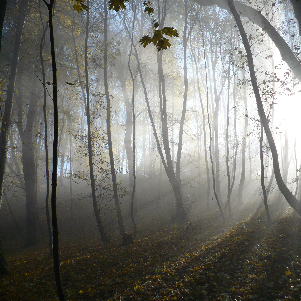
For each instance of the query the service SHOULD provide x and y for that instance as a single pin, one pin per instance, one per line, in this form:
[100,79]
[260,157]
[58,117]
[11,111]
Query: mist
[150,150]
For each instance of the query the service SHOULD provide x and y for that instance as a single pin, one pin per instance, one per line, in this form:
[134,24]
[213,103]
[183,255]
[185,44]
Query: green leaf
[117,4]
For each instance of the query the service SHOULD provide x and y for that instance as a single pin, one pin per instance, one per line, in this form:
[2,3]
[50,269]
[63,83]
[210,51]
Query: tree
[101,230]
[243,149]
[42,43]
[290,198]
[257,18]
[109,133]
[264,191]
[28,162]
[8,103]
[3,4]
[55,232]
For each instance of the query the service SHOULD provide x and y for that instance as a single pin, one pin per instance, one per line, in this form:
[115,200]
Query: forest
[150,150]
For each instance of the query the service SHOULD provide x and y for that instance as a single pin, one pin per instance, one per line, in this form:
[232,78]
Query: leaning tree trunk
[174,180]
[257,18]
[290,198]
[181,214]
[176,185]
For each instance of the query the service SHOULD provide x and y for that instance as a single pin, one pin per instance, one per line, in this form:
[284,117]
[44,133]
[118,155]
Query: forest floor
[204,260]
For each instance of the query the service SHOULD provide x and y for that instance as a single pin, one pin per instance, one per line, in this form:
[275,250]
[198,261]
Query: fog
[148,139]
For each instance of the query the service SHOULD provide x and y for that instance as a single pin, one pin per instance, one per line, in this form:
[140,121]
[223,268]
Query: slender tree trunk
[210,145]
[264,192]
[235,135]
[42,43]
[243,151]
[176,185]
[285,160]
[227,144]
[169,172]
[231,175]
[297,170]
[101,229]
[134,163]
[106,85]
[168,167]
[204,130]
[132,157]
[215,130]
[70,173]
[290,198]
[180,144]
[55,232]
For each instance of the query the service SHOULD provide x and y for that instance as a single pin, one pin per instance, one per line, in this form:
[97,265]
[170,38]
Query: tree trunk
[210,145]
[180,144]
[131,124]
[290,198]
[42,43]
[257,18]
[208,188]
[3,269]
[28,162]
[168,167]
[264,192]
[55,232]
[2,15]
[10,90]
[101,229]
[9,97]
[106,85]
[243,151]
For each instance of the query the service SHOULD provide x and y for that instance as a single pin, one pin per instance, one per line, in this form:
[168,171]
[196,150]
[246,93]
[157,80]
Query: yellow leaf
[80,292]
[77,7]
[287,273]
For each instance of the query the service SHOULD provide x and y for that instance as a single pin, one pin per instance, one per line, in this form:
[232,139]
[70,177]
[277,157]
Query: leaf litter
[198,261]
